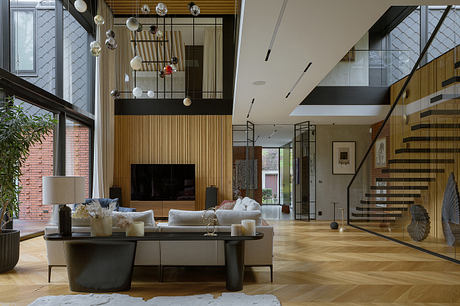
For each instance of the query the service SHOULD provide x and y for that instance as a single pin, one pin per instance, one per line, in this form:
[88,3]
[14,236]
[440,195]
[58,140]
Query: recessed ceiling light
[259,83]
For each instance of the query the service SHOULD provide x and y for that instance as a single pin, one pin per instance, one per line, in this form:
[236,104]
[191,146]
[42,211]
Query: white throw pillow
[239,205]
[253,205]
[145,216]
[187,217]
[229,217]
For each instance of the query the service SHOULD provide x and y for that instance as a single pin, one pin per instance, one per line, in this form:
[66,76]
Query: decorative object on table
[131,227]
[334,225]
[100,217]
[451,212]
[380,151]
[18,133]
[80,6]
[343,157]
[248,227]
[194,9]
[210,220]
[161,9]
[419,228]
[342,225]
[236,230]
[63,190]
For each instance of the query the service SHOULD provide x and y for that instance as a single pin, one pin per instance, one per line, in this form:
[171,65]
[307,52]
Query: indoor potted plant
[18,132]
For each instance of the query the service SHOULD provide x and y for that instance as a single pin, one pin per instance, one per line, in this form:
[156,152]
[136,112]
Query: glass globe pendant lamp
[137,92]
[136,63]
[80,6]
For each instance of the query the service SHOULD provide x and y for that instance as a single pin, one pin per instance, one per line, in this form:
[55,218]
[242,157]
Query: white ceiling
[314,31]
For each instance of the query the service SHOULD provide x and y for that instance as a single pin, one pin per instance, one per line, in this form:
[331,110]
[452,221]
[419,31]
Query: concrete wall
[333,188]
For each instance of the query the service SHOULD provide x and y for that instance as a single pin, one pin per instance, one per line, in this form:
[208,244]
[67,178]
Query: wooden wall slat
[205,141]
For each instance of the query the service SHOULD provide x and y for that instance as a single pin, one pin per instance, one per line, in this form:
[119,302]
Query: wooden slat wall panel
[205,141]
[426,81]
[207,7]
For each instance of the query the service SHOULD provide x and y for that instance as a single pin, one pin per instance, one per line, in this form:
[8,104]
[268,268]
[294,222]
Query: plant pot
[9,249]
[101,226]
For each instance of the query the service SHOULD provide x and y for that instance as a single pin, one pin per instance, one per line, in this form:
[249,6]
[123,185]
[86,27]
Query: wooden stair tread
[421,161]
[393,195]
[399,187]
[457,65]
[381,208]
[382,220]
[377,214]
[451,80]
[386,202]
[405,179]
[435,126]
[427,150]
[431,138]
[444,97]
[440,112]
[412,170]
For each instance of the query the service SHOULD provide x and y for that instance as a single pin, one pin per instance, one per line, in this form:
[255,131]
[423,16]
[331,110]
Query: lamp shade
[63,190]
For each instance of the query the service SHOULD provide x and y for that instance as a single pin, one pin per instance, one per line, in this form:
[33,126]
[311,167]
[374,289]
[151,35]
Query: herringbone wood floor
[313,266]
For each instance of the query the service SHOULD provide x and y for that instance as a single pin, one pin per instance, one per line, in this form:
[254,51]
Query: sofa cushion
[226,204]
[80,222]
[187,217]
[239,205]
[126,209]
[105,202]
[229,217]
[145,216]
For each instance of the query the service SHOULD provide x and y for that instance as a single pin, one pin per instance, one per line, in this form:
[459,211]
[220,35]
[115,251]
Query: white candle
[135,229]
[249,227]
[236,229]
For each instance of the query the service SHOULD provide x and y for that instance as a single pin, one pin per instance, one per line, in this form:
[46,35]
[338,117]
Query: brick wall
[40,163]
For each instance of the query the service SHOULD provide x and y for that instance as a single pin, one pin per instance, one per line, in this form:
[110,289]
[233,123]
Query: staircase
[425,150]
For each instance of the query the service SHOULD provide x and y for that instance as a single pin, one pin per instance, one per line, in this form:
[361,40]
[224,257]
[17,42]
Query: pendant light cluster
[133,24]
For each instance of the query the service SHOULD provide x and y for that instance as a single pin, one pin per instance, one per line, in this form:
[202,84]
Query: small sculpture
[419,228]
[210,220]
[451,212]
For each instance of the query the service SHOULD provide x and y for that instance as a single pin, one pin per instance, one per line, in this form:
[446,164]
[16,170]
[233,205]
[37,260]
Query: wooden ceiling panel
[175,7]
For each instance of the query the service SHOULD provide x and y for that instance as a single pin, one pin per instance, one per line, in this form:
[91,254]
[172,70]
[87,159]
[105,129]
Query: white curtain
[104,110]
[212,63]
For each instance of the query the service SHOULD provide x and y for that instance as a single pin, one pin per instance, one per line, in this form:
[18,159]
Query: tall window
[38,164]
[23,47]
[33,42]
[270,176]
[77,59]
[77,151]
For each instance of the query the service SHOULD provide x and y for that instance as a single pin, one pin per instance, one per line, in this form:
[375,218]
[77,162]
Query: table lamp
[62,190]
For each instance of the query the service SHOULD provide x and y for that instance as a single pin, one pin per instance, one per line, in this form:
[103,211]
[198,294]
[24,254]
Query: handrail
[398,97]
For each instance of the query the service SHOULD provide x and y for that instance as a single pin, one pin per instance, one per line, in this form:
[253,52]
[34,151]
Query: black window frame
[15,85]
[13,10]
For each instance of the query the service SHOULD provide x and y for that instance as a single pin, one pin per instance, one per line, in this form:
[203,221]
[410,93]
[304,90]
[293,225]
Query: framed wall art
[380,150]
[343,157]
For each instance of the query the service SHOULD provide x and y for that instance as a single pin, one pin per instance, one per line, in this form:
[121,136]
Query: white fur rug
[115,299]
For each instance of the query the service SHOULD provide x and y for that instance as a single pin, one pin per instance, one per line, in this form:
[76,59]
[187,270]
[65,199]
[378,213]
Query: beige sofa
[171,253]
